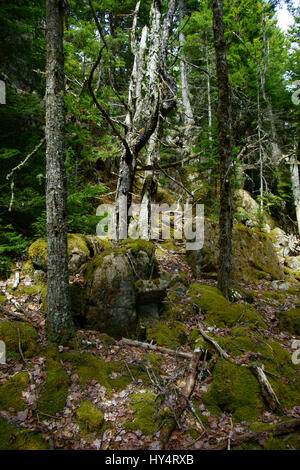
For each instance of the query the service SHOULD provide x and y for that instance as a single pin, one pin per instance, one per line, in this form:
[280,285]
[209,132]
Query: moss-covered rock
[80,249]
[254,257]
[27,336]
[290,320]
[147,418]
[90,417]
[277,361]
[170,334]
[53,398]
[219,311]
[110,290]
[11,392]
[234,389]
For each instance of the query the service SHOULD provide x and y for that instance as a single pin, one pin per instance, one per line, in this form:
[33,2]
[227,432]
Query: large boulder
[254,256]
[80,249]
[113,295]
[249,210]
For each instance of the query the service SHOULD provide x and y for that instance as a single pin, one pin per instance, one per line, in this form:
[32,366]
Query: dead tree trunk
[225,150]
[156,76]
[59,320]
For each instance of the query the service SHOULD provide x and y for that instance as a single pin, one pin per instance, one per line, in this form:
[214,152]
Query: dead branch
[185,394]
[214,343]
[152,347]
[266,387]
[278,429]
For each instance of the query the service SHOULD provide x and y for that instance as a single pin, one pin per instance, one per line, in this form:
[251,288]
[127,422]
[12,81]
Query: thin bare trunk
[225,150]
[59,321]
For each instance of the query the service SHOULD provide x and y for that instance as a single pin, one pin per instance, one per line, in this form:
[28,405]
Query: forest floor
[65,431]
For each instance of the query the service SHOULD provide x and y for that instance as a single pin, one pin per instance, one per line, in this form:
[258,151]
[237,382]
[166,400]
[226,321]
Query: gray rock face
[119,291]
[111,297]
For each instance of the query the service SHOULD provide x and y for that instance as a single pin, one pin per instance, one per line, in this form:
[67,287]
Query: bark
[141,119]
[188,116]
[157,70]
[59,320]
[294,170]
[225,150]
[153,347]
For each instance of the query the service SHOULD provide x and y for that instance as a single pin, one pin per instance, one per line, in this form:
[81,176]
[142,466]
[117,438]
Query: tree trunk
[59,320]
[159,36]
[188,116]
[225,150]
[294,170]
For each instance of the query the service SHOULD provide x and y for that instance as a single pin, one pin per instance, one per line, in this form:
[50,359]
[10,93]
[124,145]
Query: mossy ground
[27,336]
[219,311]
[53,398]
[90,418]
[146,418]
[236,389]
[13,437]
[112,375]
[170,334]
[11,392]
[290,320]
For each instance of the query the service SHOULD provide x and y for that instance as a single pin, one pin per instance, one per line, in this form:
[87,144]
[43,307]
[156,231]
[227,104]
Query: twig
[20,346]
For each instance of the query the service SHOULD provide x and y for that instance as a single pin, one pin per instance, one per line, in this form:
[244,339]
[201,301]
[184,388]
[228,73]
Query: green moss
[28,268]
[37,253]
[53,399]
[290,321]
[36,289]
[147,418]
[138,245]
[167,333]
[275,296]
[277,361]
[3,299]
[106,339]
[7,432]
[11,392]
[258,426]
[90,418]
[29,441]
[219,311]
[112,375]
[154,359]
[28,338]
[234,389]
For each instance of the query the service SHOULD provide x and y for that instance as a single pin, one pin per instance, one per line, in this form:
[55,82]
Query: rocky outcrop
[119,290]
[81,248]
[254,256]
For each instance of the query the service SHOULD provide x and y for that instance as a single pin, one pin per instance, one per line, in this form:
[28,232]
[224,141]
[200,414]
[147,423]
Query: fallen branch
[215,344]
[267,390]
[185,394]
[152,347]
[16,281]
[266,387]
[278,429]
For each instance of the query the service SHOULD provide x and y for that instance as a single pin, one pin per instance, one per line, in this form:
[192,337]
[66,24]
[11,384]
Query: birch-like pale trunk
[59,320]
[157,65]
[188,116]
[294,171]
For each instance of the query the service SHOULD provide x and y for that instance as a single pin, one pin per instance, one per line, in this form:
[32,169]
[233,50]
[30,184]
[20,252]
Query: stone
[254,257]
